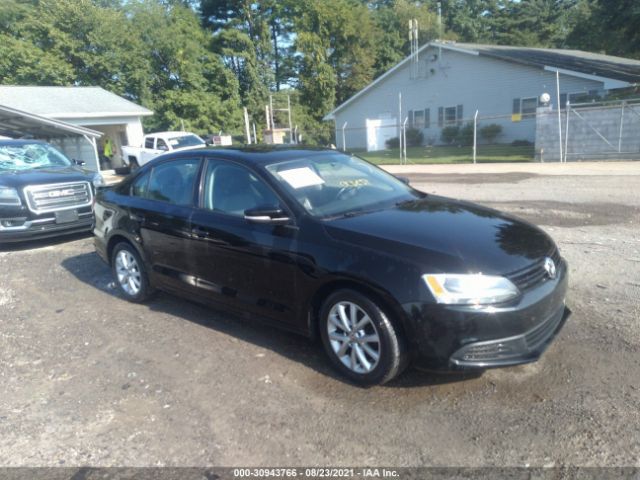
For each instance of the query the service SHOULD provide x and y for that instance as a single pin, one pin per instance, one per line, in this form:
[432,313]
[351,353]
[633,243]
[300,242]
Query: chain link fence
[579,132]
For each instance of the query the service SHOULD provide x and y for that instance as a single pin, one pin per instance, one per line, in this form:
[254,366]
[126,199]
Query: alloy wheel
[128,273]
[353,337]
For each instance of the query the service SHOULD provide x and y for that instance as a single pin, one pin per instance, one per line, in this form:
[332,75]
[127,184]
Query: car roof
[265,154]
[171,133]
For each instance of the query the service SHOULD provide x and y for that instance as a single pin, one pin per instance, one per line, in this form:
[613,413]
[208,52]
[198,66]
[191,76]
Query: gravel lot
[88,379]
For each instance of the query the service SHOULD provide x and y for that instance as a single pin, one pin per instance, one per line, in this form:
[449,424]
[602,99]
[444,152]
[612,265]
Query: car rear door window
[174,181]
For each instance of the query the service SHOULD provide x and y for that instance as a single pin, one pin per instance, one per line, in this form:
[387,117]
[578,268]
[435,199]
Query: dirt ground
[89,379]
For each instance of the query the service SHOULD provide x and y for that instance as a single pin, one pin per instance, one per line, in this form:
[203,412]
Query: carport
[76,142]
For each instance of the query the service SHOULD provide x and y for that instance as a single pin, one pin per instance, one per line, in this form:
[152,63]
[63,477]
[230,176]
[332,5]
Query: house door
[379,130]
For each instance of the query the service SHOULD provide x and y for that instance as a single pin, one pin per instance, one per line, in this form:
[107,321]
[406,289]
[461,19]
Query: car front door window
[233,189]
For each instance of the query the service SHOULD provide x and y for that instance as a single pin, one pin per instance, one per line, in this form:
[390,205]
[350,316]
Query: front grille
[532,275]
[58,196]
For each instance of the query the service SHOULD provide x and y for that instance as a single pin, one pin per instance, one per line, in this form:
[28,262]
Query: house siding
[476,82]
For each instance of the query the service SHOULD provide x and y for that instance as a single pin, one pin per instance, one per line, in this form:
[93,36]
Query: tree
[63,42]
[188,82]
[392,29]
[607,26]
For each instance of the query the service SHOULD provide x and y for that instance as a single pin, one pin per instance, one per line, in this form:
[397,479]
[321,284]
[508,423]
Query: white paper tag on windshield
[301,177]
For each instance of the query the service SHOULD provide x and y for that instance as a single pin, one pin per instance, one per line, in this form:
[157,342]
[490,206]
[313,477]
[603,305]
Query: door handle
[136,218]
[199,232]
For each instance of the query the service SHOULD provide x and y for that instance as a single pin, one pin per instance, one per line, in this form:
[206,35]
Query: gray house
[447,82]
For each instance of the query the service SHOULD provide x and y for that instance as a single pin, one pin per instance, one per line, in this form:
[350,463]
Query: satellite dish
[545,98]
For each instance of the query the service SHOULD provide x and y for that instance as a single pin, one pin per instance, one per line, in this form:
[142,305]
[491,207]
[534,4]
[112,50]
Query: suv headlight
[473,289]
[9,196]
[98,181]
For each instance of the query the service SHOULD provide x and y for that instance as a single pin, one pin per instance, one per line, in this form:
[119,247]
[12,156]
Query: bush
[449,134]
[393,143]
[414,137]
[465,135]
[491,132]
[521,143]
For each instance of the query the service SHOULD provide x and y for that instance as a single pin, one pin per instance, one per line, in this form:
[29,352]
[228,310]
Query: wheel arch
[379,296]
[120,237]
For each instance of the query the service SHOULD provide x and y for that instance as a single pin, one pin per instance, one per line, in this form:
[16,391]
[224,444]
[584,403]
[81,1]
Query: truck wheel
[133,164]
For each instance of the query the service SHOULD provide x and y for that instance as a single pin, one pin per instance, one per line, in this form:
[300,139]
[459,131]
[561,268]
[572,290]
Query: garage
[76,142]
[116,120]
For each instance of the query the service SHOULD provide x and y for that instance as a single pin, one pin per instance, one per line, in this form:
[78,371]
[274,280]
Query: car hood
[41,176]
[441,234]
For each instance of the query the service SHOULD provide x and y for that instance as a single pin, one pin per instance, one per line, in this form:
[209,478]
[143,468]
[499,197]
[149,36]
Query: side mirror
[80,163]
[404,180]
[266,214]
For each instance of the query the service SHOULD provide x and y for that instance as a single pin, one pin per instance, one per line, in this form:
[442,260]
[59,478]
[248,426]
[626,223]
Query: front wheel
[133,164]
[129,273]
[360,340]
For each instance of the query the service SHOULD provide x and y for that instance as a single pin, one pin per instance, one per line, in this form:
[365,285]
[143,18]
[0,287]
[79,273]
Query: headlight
[98,181]
[9,196]
[476,289]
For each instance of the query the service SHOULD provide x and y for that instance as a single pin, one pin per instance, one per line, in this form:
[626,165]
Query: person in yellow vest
[108,148]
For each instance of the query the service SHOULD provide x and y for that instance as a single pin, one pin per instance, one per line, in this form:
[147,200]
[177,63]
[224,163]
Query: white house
[447,82]
[91,109]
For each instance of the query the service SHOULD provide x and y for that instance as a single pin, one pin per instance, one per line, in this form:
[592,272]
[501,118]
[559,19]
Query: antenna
[439,30]
[414,41]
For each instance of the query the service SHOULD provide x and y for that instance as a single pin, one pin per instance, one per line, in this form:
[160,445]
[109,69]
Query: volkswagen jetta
[328,245]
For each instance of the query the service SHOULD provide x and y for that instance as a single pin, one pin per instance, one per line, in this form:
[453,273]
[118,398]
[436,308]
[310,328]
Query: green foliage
[391,22]
[414,137]
[450,134]
[393,142]
[465,135]
[490,132]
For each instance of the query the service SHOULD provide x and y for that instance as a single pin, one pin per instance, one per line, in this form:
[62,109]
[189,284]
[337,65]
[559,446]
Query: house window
[450,115]
[420,118]
[524,108]
[529,106]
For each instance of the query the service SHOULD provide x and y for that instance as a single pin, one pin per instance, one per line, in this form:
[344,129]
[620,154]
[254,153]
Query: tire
[129,273]
[133,164]
[352,351]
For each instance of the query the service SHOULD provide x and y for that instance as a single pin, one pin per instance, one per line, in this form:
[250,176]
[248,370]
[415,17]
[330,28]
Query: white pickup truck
[155,144]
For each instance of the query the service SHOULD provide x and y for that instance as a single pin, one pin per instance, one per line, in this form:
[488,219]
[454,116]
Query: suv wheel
[129,273]
[360,340]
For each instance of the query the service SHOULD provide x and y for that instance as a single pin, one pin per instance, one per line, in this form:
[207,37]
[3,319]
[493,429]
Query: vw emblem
[550,267]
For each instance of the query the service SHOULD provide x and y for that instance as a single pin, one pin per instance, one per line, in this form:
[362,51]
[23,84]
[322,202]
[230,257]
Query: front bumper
[44,226]
[459,338]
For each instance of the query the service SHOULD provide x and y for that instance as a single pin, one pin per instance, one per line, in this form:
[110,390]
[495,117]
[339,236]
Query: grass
[449,154]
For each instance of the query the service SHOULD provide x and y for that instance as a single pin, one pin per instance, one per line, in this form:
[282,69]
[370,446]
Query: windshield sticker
[358,182]
[301,177]
[173,142]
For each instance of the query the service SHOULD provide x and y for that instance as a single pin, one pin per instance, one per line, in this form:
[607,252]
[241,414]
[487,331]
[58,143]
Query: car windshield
[334,184]
[28,156]
[185,141]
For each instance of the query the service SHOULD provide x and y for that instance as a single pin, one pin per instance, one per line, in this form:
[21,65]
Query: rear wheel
[360,340]
[129,273]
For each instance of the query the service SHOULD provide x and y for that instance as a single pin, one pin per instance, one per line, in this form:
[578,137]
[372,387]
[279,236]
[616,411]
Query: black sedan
[42,192]
[325,244]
